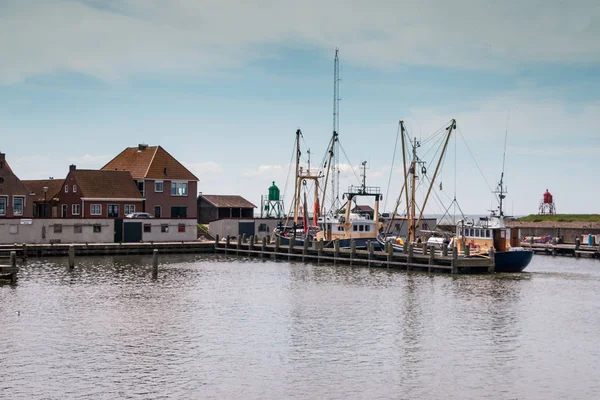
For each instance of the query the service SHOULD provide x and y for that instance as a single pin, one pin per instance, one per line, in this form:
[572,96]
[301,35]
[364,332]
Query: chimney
[142,146]
[72,167]
[2,160]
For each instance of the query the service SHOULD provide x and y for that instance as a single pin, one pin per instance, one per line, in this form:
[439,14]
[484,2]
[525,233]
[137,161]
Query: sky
[224,85]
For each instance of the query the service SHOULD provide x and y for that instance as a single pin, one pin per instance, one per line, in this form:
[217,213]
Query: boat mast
[331,152]
[297,178]
[413,188]
[501,191]
[335,177]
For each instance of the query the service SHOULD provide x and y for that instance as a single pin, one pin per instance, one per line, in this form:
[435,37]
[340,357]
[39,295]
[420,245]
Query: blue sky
[223,86]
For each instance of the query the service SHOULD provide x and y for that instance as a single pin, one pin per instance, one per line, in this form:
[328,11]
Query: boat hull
[512,261]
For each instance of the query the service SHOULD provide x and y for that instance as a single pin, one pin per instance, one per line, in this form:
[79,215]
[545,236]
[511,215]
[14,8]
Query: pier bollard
[71,256]
[390,251]
[445,250]
[277,244]
[454,262]
[239,245]
[155,264]
[371,252]
[263,247]
[577,243]
[336,250]
[216,241]
[431,256]
[24,251]
[409,259]
[251,243]
[352,251]
[243,238]
[227,243]
[467,251]
[492,268]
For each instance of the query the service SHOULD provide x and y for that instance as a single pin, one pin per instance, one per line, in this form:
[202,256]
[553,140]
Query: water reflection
[220,326]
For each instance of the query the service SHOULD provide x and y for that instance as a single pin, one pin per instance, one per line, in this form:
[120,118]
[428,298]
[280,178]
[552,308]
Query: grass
[561,218]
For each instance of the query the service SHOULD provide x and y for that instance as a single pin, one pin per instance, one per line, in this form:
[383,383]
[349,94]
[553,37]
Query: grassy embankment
[561,218]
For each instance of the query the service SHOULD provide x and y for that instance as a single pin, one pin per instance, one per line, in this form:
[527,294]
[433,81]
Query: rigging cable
[476,163]
[391,169]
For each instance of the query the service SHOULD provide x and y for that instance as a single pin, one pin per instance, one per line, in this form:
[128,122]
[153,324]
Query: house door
[246,227]
[118,230]
[132,232]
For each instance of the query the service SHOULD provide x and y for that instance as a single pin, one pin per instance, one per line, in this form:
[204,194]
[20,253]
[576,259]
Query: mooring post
[251,243]
[277,244]
[431,257]
[577,243]
[425,248]
[227,243]
[268,239]
[467,251]
[216,241]
[405,247]
[320,246]
[445,250]
[71,256]
[243,238]
[492,268]
[263,246]
[371,252]
[390,251]
[24,251]
[352,251]
[239,245]
[336,250]
[13,264]
[305,249]
[409,258]
[454,262]
[155,264]
[291,247]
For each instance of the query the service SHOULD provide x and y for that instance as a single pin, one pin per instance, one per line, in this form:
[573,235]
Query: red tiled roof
[227,201]
[152,162]
[37,187]
[106,184]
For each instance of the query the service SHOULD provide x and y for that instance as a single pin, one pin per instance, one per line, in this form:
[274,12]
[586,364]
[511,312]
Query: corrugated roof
[227,201]
[37,187]
[106,184]
[153,162]
[364,208]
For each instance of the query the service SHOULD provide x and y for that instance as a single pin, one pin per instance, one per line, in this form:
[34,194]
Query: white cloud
[190,36]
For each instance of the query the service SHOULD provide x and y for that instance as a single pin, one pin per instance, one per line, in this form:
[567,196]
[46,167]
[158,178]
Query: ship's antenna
[335,176]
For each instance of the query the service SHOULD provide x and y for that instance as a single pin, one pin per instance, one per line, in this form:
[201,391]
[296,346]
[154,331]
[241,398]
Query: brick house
[15,198]
[98,194]
[45,196]
[169,189]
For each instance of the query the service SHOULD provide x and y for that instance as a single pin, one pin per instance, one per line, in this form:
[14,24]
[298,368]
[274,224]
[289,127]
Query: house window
[264,228]
[74,188]
[3,205]
[178,212]
[164,228]
[66,188]
[96,209]
[75,209]
[63,210]
[129,209]
[157,211]
[181,228]
[140,186]
[158,186]
[147,228]
[57,228]
[113,210]
[77,228]
[18,203]
[179,188]
[97,228]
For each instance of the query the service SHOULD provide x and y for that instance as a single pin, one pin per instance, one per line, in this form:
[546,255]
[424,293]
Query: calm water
[217,327]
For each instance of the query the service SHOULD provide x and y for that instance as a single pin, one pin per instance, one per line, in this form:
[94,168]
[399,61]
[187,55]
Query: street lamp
[45,205]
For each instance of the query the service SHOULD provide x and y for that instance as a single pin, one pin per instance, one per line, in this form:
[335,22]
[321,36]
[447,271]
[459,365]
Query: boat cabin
[482,237]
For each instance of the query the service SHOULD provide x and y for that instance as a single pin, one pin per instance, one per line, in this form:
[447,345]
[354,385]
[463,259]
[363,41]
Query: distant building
[364,210]
[45,196]
[15,198]
[214,207]
[168,188]
[98,194]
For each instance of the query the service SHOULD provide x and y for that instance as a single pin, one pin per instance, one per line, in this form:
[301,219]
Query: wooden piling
[454,262]
[425,249]
[444,250]
[336,250]
[239,245]
[277,244]
[577,243]
[305,249]
[24,251]
[409,258]
[243,238]
[320,247]
[227,243]
[371,252]
[263,247]
[352,250]
[13,264]
[467,251]
[155,264]
[431,257]
[251,243]
[216,241]
[71,256]
[291,247]
[492,268]
[390,252]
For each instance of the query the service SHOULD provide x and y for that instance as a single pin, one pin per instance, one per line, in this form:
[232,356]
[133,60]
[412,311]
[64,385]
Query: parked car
[139,215]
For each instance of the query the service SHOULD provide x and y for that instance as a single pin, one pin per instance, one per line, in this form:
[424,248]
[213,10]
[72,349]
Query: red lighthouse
[547,204]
